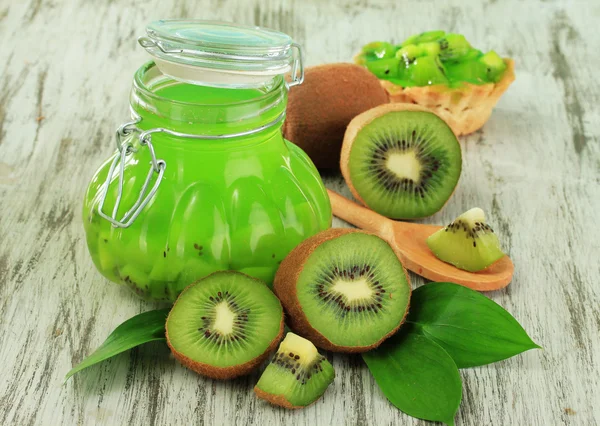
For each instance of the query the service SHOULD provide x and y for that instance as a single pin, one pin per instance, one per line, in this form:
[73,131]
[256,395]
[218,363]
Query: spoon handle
[359,216]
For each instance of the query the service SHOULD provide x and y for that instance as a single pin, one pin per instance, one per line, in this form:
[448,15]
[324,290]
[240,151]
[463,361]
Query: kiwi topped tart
[468,242]
[401,160]
[297,375]
[430,58]
[443,72]
[343,289]
[224,325]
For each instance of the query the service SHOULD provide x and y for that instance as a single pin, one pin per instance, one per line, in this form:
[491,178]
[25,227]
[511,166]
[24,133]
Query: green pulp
[255,317]
[432,58]
[239,203]
[350,305]
[278,380]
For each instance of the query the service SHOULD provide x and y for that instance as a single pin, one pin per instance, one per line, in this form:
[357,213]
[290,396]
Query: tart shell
[465,108]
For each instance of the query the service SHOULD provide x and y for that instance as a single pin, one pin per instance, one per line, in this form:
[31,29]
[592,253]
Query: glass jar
[202,179]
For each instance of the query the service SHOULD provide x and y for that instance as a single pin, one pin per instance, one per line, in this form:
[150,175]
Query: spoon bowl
[409,242]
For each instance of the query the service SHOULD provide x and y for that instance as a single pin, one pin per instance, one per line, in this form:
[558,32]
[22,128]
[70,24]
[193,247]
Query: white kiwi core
[300,346]
[405,165]
[353,290]
[224,318]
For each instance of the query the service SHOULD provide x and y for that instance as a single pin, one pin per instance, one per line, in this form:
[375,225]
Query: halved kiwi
[225,325]
[297,376]
[343,289]
[467,243]
[401,160]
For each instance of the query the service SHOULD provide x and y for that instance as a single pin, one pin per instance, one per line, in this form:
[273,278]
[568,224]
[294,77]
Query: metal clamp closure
[158,166]
[124,149]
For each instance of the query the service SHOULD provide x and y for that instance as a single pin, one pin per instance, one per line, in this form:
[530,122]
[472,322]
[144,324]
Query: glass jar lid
[221,54]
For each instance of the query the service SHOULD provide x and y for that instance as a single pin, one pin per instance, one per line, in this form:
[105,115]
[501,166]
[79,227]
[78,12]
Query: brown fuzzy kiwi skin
[223,373]
[357,124]
[275,399]
[284,287]
[319,109]
[280,400]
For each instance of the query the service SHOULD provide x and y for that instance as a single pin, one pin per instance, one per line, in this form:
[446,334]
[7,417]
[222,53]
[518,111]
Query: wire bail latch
[158,166]
[124,148]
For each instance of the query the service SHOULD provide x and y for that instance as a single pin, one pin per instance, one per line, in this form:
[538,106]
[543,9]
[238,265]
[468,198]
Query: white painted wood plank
[535,168]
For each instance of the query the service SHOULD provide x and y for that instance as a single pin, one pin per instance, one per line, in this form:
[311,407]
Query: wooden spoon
[409,242]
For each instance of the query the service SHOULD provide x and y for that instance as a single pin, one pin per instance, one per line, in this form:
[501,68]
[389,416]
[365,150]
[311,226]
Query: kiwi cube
[296,376]
[468,243]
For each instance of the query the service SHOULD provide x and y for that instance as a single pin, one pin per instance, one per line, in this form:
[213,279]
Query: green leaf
[142,328]
[473,329]
[417,376]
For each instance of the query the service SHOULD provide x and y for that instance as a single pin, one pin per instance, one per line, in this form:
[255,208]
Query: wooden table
[65,71]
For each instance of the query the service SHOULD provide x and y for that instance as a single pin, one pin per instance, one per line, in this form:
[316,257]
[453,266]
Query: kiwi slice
[343,289]
[483,69]
[471,55]
[494,65]
[378,50]
[453,46]
[468,71]
[225,325]
[425,71]
[412,51]
[409,53]
[297,376]
[467,243]
[401,160]
[425,37]
[384,68]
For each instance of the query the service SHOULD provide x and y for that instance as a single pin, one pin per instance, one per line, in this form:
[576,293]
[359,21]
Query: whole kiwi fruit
[321,107]
[343,289]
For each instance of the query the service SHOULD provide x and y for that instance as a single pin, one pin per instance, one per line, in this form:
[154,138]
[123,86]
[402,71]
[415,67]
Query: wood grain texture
[65,71]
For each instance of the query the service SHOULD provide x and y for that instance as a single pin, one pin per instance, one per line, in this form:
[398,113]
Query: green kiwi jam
[231,203]
[432,58]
